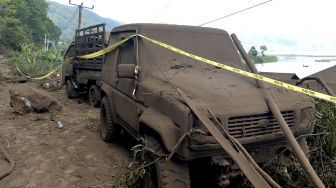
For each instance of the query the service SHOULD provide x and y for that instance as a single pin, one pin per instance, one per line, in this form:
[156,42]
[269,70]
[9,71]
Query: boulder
[25,99]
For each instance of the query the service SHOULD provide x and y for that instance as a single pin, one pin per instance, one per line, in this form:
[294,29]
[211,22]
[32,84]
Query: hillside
[66,18]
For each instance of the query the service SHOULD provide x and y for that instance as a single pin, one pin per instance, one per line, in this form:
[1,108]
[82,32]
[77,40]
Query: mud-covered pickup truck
[140,94]
[84,75]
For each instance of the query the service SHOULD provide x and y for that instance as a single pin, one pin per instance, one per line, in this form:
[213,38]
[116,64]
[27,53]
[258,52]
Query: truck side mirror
[126,70]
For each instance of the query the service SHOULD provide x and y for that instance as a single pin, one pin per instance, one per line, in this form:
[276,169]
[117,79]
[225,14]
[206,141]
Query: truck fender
[160,124]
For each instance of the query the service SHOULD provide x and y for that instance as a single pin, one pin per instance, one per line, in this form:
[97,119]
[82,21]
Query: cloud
[293,23]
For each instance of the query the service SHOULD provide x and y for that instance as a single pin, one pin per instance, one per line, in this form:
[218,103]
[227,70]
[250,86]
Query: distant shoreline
[303,55]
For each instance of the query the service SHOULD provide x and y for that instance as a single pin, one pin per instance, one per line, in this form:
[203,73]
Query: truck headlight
[306,117]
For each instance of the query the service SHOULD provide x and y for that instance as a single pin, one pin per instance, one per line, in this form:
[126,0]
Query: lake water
[302,66]
[287,58]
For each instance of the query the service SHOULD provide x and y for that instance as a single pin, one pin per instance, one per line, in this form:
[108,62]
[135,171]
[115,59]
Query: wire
[164,9]
[235,13]
[66,25]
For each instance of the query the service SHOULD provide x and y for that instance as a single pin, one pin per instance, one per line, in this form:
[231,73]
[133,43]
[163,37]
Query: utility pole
[45,42]
[80,8]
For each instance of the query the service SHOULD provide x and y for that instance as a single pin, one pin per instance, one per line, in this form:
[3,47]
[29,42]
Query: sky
[285,26]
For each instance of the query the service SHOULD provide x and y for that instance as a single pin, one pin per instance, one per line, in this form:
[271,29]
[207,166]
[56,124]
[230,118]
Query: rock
[25,99]
[54,82]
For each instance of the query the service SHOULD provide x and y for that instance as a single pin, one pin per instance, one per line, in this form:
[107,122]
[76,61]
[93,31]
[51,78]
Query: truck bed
[89,40]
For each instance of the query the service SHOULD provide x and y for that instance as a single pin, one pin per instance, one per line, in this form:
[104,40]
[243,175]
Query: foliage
[25,21]
[269,58]
[322,145]
[133,173]
[253,52]
[89,116]
[263,48]
[35,61]
[326,123]
[263,58]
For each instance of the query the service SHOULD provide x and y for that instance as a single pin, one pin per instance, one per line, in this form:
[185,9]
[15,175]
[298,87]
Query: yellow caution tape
[105,50]
[311,93]
[38,78]
[308,92]
[46,75]
[87,56]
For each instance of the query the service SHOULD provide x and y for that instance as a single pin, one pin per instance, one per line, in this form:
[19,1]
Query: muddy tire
[94,96]
[70,90]
[108,130]
[166,174]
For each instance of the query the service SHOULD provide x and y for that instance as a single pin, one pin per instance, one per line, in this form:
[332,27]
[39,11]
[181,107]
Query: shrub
[34,61]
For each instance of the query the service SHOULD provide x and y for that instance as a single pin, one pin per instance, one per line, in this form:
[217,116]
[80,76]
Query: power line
[235,13]
[66,25]
[164,9]
[80,10]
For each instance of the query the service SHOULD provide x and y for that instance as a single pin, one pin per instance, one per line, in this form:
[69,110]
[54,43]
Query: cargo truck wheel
[70,90]
[108,130]
[166,174]
[94,95]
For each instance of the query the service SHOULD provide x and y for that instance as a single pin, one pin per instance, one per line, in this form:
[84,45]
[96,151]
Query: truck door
[126,82]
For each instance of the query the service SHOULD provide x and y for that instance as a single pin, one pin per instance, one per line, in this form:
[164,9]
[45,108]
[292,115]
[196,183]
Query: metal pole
[80,7]
[80,16]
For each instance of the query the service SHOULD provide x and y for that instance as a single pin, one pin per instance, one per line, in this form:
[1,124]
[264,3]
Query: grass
[322,145]
[264,59]
[325,122]
[34,61]
[132,174]
[89,116]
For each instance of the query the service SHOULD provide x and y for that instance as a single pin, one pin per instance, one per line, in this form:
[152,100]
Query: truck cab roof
[211,43]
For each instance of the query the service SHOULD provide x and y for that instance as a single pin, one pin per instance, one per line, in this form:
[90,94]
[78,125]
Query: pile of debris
[25,99]
[54,82]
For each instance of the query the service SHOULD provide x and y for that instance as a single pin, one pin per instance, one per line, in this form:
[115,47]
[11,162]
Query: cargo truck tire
[70,90]
[94,96]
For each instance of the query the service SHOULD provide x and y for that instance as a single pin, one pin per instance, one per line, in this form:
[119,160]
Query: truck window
[127,53]
[70,52]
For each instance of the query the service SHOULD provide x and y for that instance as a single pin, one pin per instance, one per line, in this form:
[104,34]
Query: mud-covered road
[47,156]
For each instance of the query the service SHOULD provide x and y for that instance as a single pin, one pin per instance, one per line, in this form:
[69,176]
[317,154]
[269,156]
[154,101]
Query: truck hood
[230,94]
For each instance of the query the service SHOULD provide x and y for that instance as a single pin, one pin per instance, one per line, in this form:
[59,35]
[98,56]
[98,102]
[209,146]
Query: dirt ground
[47,156]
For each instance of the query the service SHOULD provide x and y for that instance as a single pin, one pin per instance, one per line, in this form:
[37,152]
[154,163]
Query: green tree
[253,52]
[263,48]
[254,55]
[11,30]
[25,21]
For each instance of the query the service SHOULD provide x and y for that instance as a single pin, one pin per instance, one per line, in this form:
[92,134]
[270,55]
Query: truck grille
[254,125]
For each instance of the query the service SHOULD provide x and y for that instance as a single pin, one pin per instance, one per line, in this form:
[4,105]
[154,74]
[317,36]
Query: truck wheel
[70,90]
[108,130]
[94,96]
[166,174]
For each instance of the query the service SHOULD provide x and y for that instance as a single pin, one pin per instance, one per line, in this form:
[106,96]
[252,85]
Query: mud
[47,156]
